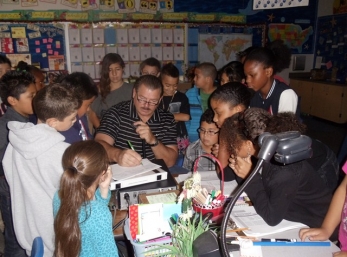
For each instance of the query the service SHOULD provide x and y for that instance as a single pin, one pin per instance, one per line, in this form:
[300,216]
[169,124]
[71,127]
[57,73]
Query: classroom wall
[324,8]
[296,19]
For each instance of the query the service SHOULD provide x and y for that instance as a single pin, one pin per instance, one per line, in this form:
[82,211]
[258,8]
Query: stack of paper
[121,173]
[147,172]
[246,217]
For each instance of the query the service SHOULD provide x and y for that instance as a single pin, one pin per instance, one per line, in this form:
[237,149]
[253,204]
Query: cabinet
[323,100]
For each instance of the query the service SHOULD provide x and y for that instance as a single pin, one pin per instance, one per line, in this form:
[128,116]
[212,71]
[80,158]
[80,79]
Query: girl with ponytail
[83,222]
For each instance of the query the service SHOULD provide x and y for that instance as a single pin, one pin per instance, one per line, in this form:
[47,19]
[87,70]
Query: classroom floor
[330,133]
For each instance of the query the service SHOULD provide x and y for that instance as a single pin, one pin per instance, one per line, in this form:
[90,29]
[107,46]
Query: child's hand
[105,181]
[314,234]
[340,254]
[242,166]
[215,150]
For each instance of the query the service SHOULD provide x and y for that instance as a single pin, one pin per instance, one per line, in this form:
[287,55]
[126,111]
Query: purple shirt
[343,224]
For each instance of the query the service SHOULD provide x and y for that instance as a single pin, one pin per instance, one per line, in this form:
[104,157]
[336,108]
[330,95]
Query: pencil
[132,148]
[236,230]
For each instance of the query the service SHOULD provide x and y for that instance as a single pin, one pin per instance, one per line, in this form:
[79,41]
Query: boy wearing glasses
[150,130]
[208,133]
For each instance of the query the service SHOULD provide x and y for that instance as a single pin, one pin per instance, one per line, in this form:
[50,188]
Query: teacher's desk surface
[267,251]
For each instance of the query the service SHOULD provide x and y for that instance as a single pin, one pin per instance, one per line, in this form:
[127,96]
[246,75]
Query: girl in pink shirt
[337,214]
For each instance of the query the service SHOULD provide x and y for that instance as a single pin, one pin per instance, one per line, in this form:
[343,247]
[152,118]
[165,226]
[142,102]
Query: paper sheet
[168,53]
[134,53]
[123,51]
[156,36]
[145,36]
[178,36]
[99,53]
[88,54]
[145,52]
[98,36]
[89,69]
[135,69]
[86,36]
[122,173]
[134,36]
[76,54]
[157,52]
[162,198]
[167,36]
[246,217]
[122,36]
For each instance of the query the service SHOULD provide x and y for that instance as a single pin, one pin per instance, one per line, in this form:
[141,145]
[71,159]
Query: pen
[132,148]
[277,240]
[316,243]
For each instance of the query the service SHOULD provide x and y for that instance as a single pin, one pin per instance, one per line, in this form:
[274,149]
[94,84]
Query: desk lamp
[287,147]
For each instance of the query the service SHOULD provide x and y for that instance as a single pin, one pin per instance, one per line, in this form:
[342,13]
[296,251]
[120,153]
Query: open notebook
[246,217]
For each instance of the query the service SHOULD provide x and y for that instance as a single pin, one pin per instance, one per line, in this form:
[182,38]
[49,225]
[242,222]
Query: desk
[290,251]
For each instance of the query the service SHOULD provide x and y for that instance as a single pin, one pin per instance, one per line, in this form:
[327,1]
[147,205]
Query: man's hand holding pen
[144,131]
[129,158]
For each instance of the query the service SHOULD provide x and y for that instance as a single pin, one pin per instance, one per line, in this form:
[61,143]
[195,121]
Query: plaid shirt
[193,151]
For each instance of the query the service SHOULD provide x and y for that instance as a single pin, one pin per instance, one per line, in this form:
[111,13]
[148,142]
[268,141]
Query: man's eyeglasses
[144,101]
[208,132]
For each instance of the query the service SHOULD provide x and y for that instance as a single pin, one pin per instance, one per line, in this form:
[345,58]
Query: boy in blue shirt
[84,88]
[17,90]
[205,75]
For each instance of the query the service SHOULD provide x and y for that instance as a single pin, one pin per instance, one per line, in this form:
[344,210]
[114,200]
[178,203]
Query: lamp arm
[231,204]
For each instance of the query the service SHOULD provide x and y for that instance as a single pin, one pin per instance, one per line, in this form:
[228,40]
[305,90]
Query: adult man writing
[151,131]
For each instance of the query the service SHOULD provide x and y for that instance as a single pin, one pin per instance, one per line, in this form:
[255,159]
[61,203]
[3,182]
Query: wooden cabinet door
[326,101]
[304,91]
[343,118]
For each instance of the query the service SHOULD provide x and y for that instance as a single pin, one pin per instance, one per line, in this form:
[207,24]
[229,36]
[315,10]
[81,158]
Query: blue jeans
[12,248]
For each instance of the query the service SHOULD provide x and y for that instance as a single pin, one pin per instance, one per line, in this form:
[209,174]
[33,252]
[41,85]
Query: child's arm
[181,117]
[223,155]
[93,118]
[104,183]
[184,114]
[340,254]
[332,218]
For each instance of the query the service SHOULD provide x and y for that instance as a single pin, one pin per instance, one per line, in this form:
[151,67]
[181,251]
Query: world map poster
[221,49]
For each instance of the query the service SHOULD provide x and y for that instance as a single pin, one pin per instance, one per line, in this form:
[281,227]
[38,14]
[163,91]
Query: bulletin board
[331,42]
[89,43]
[42,45]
